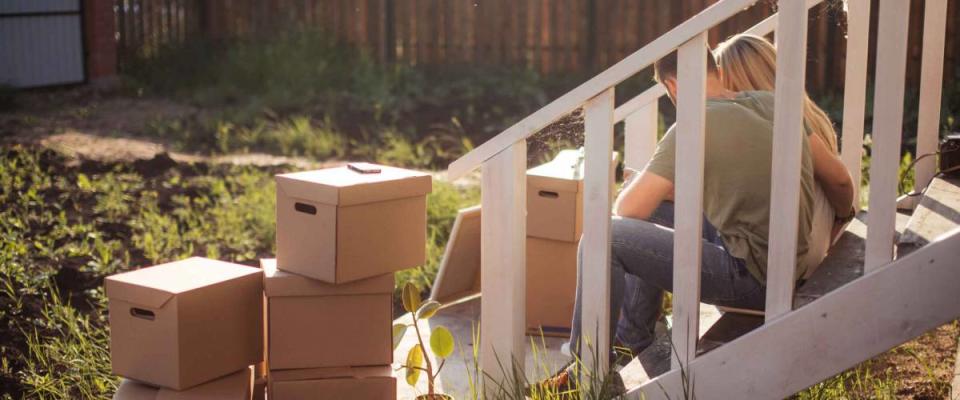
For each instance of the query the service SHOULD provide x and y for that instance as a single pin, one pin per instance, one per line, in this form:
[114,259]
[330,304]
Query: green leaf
[428,309]
[398,331]
[414,362]
[411,297]
[441,342]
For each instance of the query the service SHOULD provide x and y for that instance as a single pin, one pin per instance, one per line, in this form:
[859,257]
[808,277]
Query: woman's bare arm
[832,176]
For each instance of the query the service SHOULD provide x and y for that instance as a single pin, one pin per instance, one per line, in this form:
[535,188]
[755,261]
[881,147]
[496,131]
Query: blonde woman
[748,63]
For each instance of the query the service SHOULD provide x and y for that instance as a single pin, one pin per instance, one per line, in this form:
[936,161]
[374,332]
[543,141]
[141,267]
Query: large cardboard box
[367,383]
[339,225]
[551,285]
[181,324]
[237,386]
[314,324]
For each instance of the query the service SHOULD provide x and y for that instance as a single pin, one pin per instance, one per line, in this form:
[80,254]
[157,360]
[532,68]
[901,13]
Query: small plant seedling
[441,342]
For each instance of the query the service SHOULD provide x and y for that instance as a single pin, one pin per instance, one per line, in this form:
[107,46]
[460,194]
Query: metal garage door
[41,42]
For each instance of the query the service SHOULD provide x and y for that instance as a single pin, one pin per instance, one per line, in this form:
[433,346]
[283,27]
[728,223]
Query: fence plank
[595,242]
[691,108]
[788,146]
[931,86]
[503,262]
[855,93]
[894,18]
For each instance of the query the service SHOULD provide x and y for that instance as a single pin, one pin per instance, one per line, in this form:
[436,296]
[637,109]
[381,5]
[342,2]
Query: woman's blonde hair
[749,62]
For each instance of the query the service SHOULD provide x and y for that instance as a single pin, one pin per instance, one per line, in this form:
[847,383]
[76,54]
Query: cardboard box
[555,197]
[338,225]
[314,324]
[181,324]
[237,386]
[367,383]
[551,285]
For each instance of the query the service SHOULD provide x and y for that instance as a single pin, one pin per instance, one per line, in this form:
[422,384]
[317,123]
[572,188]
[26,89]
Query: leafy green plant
[441,342]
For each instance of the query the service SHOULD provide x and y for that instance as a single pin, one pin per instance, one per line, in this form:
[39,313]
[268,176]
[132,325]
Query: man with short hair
[736,208]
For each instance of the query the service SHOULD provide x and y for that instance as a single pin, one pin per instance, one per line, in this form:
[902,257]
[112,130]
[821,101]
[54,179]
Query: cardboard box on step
[368,383]
[551,285]
[181,324]
[314,324]
[344,224]
[236,386]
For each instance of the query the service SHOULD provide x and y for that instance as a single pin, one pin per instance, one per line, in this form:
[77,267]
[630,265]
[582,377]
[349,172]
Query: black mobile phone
[364,168]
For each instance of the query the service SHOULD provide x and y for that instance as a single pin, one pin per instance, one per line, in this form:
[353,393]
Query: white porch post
[893,24]
[688,214]
[595,243]
[503,262]
[640,136]
[855,90]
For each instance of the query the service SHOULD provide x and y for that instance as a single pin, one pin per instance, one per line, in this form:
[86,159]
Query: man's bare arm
[642,195]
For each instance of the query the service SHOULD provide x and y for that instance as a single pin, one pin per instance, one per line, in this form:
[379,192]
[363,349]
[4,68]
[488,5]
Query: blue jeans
[641,265]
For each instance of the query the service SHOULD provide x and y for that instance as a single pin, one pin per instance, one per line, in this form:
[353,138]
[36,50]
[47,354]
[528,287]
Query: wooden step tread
[937,213]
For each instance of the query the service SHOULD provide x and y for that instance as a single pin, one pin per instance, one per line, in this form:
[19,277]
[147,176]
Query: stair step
[937,213]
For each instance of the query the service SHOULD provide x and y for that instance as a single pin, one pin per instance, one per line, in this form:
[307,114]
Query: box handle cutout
[305,208]
[142,314]
[547,194]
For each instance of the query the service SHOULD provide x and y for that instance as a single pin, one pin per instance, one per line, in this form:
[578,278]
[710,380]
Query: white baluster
[503,262]
[640,136]
[855,89]
[688,214]
[893,23]
[931,86]
[597,202]
[787,153]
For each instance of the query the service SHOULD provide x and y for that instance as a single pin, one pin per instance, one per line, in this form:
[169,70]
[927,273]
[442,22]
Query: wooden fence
[551,36]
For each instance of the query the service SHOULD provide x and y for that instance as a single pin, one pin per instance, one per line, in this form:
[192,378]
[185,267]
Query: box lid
[278,283]
[564,173]
[154,286]
[330,373]
[345,185]
[238,385]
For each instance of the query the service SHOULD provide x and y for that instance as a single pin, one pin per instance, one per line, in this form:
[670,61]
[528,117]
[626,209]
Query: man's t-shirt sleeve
[663,162]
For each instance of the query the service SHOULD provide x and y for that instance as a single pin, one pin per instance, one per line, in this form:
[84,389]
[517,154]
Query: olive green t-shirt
[736,191]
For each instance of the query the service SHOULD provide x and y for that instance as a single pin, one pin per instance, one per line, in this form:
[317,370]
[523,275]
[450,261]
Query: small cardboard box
[237,386]
[340,225]
[551,285]
[555,197]
[181,324]
[367,383]
[314,324]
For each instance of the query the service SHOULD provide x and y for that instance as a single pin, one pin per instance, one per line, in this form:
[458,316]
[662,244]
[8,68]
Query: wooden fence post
[931,86]
[855,90]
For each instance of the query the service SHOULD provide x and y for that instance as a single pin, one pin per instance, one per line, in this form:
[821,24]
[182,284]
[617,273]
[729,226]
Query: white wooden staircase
[804,339]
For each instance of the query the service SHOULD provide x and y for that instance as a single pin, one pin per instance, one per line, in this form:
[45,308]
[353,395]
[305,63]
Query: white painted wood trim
[787,157]
[688,183]
[595,242]
[893,24]
[629,66]
[640,136]
[503,261]
[651,95]
[863,318]
[855,90]
[931,87]
[769,24]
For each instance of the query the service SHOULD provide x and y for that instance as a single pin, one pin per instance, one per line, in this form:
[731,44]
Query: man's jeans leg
[644,250]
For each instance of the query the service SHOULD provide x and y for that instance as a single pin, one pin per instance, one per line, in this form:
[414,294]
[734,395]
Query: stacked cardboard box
[341,234]
[186,330]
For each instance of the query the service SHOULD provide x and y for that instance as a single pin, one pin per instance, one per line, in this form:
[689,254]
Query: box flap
[238,385]
[346,186]
[460,265]
[563,173]
[278,283]
[154,286]
[330,373]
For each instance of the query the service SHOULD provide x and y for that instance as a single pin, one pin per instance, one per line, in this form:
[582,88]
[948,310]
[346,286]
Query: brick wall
[99,40]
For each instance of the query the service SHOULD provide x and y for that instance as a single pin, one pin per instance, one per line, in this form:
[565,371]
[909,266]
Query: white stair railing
[503,159]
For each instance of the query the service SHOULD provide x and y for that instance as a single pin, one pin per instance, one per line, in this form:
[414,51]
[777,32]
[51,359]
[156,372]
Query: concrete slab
[937,213]
[543,358]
